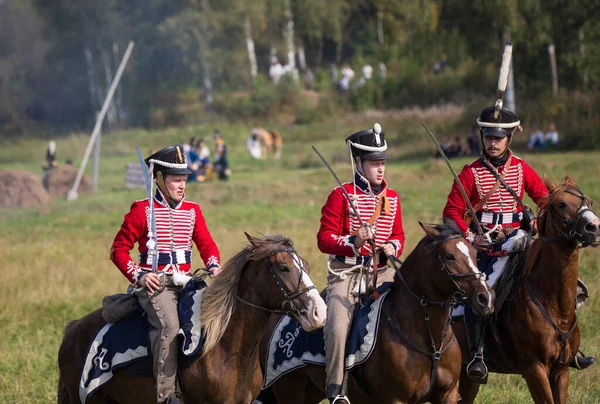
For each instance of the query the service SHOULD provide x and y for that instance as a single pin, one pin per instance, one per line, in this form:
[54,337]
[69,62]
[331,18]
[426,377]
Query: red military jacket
[176,228]
[339,223]
[501,208]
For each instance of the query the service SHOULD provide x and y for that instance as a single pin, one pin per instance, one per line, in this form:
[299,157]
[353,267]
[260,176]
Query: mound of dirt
[21,189]
[58,181]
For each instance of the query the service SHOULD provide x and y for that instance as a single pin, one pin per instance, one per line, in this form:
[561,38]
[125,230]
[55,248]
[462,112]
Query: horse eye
[449,257]
[284,268]
[562,205]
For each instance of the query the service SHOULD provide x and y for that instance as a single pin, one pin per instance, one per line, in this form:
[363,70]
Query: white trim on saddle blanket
[496,265]
[120,344]
[290,347]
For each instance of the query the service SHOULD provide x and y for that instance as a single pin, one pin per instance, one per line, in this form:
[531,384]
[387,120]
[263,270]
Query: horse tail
[62,394]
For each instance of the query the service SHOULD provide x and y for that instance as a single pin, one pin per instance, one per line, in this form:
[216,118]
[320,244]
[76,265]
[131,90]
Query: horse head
[458,260]
[566,215]
[287,283]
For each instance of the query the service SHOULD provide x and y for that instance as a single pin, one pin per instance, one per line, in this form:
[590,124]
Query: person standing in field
[178,224]
[349,244]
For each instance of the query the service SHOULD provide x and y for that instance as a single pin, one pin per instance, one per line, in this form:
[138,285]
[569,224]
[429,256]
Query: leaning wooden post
[96,164]
[552,54]
[72,194]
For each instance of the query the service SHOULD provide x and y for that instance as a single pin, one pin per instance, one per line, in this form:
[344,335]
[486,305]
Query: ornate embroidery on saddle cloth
[290,347]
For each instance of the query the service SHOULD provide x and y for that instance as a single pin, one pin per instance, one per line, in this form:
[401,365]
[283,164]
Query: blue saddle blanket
[126,342]
[290,347]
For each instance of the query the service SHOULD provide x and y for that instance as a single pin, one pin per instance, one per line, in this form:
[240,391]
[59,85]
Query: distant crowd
[197,155]
[539,140]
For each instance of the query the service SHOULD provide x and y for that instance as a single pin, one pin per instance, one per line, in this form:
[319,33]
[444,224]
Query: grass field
[55,258]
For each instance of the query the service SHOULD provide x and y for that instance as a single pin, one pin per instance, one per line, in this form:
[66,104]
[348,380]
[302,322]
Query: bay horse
[537,335]
[266,276]
[416,357]
[270,142]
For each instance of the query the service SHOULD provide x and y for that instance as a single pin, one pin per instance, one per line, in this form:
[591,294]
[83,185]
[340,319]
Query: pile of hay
[59,180]
[21,189]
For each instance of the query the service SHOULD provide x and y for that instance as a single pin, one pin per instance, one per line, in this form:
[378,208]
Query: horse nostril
[590,228]
[482,298]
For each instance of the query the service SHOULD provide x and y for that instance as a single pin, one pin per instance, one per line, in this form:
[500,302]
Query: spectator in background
[186,150]
[552,135]
[473,142]
[276,70]
[455,148]
[334,73]
[536,139]
[221,163]
[446,147]
[347,75]
[308,78]
[382,70]
[50,156]
[366,74]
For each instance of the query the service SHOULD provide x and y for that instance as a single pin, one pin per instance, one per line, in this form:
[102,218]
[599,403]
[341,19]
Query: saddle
[124,343]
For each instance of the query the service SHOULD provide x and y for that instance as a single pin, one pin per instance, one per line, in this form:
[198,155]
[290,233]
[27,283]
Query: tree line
[58,57]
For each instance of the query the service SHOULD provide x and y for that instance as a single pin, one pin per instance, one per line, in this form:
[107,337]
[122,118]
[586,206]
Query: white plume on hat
[503,78]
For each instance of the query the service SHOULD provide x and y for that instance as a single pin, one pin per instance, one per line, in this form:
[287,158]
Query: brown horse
[538,331]
[271,142]
[416,357]
[263,278]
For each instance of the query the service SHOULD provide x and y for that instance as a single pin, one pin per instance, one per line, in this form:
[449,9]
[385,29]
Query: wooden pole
[552,54]
[96,164]
[72,194]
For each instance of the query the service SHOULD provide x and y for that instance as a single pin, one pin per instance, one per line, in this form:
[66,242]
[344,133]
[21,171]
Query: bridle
[458,295]
[288,305]
[571,235]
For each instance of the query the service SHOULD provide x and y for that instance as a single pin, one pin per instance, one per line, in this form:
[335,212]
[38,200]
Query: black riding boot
[476,369]
[334,394]
[581,361]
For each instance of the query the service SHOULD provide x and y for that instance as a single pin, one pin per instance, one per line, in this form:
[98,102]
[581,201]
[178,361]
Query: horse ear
[250,239]
[431,231]
[549,184]
[569,179]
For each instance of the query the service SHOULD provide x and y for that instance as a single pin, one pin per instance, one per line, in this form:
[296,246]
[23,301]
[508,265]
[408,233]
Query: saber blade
[458,183]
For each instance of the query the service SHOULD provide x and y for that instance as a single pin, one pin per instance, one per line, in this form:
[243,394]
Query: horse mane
[218,302]
[447,229]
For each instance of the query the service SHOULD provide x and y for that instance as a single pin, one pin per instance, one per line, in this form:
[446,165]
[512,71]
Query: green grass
[55,258]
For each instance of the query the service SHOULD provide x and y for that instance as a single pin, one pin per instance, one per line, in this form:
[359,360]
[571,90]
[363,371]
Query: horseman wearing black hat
[178,223]
[502,216]
[349,244]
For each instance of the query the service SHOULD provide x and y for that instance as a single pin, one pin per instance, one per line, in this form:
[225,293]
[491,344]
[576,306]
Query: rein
[564,335]
[293,310]
[436,353]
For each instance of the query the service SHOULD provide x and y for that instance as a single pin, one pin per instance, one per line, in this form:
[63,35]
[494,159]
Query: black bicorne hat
[169,161]
[368,144]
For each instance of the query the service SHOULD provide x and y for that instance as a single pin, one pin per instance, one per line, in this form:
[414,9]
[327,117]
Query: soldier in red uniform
[178,224]
[499,213]
[347,243]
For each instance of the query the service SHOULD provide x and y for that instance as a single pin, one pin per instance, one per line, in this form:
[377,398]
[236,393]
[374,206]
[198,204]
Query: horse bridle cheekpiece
[460,294]
[289,307]
[570,225]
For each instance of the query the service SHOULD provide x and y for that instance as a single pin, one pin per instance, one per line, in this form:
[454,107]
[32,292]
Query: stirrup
[477,358]
[575,363]
[340,397]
